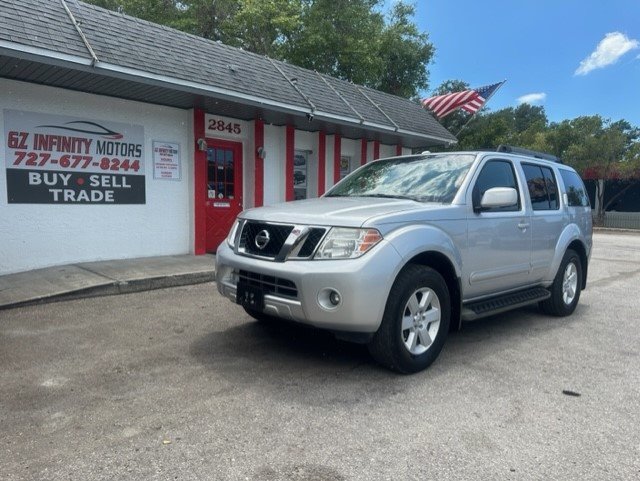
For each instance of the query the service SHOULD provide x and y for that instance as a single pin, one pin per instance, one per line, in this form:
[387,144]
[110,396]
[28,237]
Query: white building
[122,138]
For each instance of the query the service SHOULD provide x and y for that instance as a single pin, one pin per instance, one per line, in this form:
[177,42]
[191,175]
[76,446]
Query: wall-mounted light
[261,152]
[202,144]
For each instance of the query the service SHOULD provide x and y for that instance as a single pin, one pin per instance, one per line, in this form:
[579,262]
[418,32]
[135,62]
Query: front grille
[269,284]
[277,236]
[312,241]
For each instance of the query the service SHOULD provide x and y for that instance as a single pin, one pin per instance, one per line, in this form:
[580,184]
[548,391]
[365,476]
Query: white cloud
[613,46]
[534,98]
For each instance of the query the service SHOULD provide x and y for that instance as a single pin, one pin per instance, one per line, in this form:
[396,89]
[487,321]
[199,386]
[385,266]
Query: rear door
[547,220]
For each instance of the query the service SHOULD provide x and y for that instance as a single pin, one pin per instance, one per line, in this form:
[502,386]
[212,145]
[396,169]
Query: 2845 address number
[222,126]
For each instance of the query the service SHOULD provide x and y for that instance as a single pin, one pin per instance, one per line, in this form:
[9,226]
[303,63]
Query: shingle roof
[130,43]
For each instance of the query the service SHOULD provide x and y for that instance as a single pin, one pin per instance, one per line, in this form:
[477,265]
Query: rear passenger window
[576,193]
[542,187]
[496,173]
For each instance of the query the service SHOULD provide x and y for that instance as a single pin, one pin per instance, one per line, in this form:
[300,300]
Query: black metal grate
[311,242]
[277,234]
[269,284]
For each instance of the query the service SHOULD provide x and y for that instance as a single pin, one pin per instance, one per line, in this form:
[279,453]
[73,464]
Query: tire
[566,287]
[406,350]
[259,315]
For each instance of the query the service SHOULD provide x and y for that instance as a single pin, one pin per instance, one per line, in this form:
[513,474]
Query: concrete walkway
[104,278]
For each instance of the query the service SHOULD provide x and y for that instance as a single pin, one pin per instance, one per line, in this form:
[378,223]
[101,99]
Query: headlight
[343,243]
[233,234]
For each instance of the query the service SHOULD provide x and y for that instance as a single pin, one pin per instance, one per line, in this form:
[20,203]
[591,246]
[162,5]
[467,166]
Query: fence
[622,220]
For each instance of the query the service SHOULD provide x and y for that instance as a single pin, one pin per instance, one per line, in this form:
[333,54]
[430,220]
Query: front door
[499,250]
[224,189]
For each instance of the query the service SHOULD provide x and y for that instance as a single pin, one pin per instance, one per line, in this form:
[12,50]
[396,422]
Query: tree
[485,132]
[404,54]
[529,117]
[339,38]
[264,26]
[606,150]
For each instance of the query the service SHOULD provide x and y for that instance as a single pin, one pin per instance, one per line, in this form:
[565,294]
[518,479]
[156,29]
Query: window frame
[475,194]
[566,189]
[542,167]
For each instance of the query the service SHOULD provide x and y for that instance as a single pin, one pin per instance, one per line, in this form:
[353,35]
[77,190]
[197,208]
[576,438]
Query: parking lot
[181,384]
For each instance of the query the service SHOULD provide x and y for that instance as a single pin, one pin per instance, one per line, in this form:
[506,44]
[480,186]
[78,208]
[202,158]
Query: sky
[572,57]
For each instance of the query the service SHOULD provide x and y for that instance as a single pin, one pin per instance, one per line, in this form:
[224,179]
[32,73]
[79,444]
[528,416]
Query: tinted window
[537,187]
[576,192]
[542,187]
[496,173]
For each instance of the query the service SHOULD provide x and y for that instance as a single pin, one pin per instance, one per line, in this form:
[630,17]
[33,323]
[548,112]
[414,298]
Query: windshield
[424,178]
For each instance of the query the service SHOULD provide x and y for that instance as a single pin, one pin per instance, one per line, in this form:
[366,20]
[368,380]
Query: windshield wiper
[389,196]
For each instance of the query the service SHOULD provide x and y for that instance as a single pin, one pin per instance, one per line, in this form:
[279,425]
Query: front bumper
[363,284]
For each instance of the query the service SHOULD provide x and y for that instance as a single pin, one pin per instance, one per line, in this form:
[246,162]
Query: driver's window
[496,173]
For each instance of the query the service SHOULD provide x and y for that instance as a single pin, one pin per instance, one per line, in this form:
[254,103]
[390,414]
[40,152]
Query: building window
[345,166]
[300,174]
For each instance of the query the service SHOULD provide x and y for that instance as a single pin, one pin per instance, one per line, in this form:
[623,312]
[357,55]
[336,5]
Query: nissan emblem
[262,239]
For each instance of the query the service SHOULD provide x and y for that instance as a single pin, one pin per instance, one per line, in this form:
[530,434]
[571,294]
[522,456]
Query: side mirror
[499,197]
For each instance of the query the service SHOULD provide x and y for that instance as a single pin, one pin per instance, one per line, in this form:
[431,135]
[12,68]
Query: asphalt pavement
[179,383]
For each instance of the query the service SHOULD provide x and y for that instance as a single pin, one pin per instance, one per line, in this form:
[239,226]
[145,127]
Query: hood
[334,211]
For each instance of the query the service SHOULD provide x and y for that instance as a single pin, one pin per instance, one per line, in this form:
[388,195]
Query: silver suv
[406,248]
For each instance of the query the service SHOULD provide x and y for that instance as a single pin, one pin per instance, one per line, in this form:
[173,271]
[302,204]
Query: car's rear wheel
[566,287]
[415,322]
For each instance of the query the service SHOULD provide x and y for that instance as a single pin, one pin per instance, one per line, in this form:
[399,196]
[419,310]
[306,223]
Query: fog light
[329,299]
[334,298]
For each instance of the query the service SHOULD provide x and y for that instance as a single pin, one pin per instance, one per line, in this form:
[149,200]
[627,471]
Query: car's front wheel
[415,322]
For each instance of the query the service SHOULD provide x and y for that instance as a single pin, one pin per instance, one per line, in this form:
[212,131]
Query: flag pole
[483,106]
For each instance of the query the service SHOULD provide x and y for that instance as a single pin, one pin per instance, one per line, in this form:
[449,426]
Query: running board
[506,302]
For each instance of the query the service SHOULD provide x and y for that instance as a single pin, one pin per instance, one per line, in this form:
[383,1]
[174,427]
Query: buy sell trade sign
[55,159]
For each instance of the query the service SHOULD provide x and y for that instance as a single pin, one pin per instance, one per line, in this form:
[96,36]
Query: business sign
[166,160]
[55,159]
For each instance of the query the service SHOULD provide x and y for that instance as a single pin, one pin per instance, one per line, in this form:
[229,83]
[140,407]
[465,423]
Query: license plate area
[250,296]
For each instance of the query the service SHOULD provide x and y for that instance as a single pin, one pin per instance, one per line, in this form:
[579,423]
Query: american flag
[469,100]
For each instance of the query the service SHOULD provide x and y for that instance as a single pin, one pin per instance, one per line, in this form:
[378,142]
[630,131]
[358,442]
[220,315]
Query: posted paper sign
[166,160]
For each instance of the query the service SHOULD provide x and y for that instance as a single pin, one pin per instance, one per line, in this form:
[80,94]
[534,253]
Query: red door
[224,190]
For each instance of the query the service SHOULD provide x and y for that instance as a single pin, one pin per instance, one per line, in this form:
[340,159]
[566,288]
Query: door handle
[523,225]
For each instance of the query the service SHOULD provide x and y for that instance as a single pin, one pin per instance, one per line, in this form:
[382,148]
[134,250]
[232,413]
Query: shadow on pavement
[312,367]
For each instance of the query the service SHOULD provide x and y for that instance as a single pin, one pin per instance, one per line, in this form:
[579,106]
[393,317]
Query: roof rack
[532,153]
